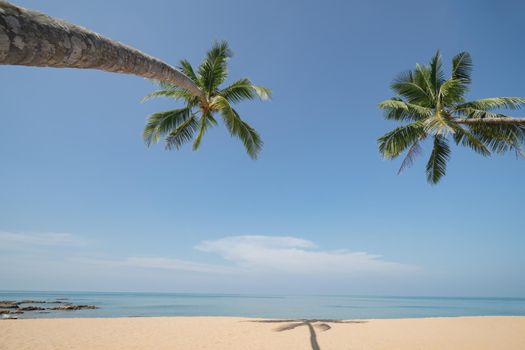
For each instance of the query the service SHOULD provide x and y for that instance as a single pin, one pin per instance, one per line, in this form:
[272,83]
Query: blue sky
[86,206]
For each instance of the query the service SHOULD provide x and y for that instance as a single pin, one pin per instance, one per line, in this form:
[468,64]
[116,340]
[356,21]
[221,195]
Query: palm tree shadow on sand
[321,325]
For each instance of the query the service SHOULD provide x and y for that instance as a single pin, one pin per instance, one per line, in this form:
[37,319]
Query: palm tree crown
[435,108]
[182,125]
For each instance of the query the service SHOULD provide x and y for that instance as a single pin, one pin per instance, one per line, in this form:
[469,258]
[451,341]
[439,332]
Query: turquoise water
[268,306]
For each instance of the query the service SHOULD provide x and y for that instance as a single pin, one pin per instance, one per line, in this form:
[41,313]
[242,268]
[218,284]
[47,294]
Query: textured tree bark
[491,121]
[31,38]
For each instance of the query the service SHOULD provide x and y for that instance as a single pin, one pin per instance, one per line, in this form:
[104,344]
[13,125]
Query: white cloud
[45,239]
[295,255]
[241,255]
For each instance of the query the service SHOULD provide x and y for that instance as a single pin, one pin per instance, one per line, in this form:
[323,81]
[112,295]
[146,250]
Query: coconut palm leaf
[437,76]
[239,128]
[182,134]
[176,94]
[462,67]
[205,122]
[213,70]
[243,89]
[162,123]
[500,138]
[264,93]
[423,78]
[397,109]
[414,151]
[405,86]
[488,104]
[186,67]
[437,163]
[392,144]
[466,138]
[451,92]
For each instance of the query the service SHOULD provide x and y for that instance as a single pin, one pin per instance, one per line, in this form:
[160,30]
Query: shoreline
[259,318]
[236,333]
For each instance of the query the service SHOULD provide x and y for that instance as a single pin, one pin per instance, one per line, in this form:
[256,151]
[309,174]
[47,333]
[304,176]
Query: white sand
[187,333]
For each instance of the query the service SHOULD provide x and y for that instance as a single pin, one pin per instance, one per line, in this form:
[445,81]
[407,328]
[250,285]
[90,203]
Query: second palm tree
[435,108]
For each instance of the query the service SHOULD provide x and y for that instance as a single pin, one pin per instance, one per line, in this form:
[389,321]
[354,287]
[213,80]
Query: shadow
[321,325]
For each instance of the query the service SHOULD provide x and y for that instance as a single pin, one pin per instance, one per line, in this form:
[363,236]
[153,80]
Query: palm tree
[190,122]
[435,109]
[31,38]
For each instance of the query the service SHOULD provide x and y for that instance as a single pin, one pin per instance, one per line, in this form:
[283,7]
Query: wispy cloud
[42,239]
[297,256]
[164,263]
[240,255]
[267,255]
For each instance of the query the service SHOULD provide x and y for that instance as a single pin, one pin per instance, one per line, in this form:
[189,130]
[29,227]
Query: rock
[40,302]
[9,307]
[10,312]
[71,307]
[31,302]
[31,308]
[8,304]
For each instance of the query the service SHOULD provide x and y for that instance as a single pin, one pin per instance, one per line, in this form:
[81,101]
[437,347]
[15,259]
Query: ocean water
[270,306]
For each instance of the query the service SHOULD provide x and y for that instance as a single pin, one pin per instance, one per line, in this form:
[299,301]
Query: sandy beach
[241,333]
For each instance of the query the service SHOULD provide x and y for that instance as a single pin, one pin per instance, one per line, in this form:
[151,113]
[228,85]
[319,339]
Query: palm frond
[397,109]
[186,68]
[263,92]
[500,138]
[164,85]
[462,67]
[488,104]
[451,92]
[213,70]
[467,139]
[205,122]
[437,76]
[162,123]
[414,151]
[405,86]
[478,113]
[438,125]
[177,94]
[396,141]
[422,77]
[437,163]
[239,128]
[182,134]
[243,89]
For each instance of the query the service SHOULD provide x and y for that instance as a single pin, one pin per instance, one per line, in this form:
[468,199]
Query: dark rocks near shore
[10,312]
[8,304]
[10,307]
[31,308]
[73,307]
[40,302]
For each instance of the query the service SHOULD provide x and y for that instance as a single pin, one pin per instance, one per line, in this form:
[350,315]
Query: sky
[85,205]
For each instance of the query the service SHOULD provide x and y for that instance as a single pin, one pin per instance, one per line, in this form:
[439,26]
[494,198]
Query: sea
[126,304]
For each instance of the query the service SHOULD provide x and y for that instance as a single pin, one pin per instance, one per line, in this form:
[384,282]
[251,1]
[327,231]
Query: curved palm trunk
[31,38]
[492,121]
